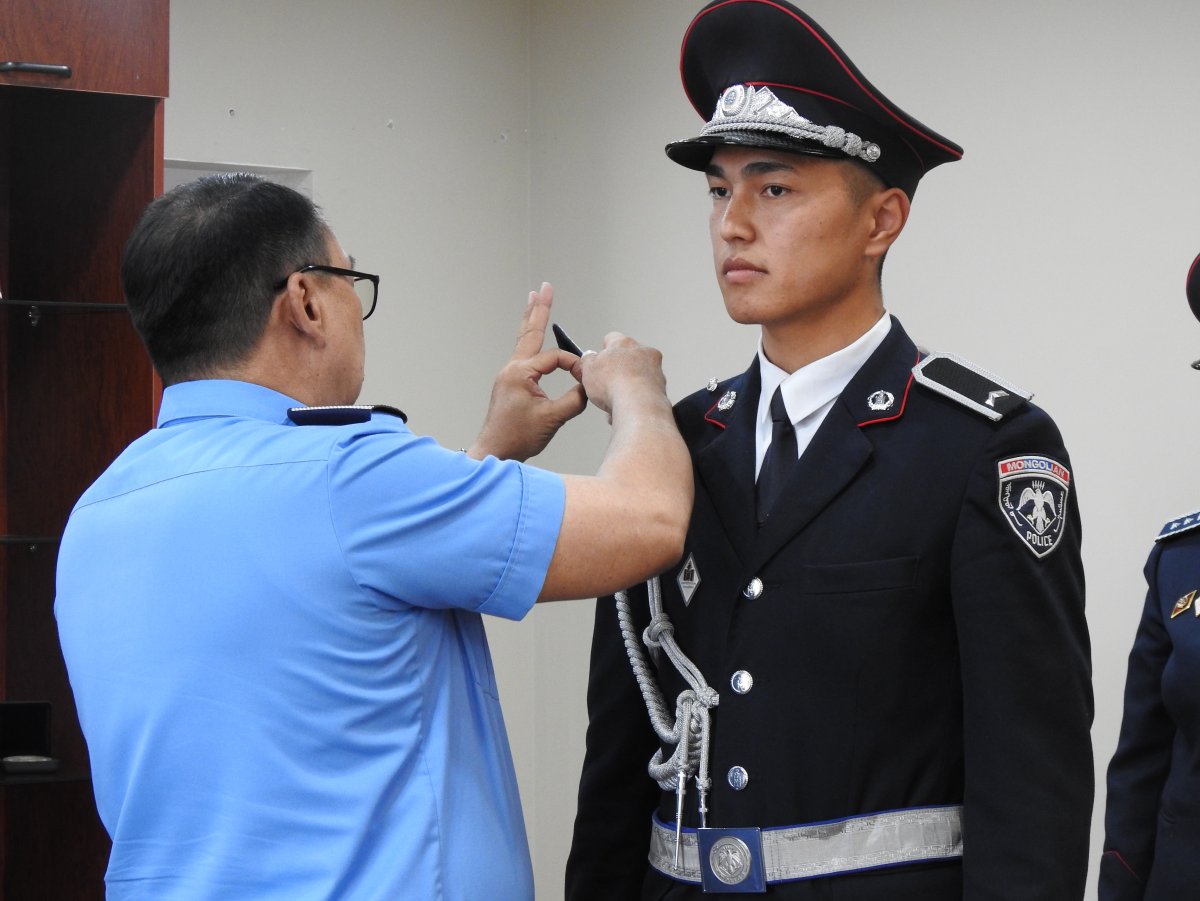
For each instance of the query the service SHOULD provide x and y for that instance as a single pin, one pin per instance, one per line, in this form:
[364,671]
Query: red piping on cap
[830,97]
[800,90]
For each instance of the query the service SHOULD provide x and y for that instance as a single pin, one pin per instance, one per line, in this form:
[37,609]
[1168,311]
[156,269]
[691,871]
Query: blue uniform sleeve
[1138,770]
[422,526]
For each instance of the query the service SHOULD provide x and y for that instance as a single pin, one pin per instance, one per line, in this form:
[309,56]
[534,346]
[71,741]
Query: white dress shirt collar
[809,392]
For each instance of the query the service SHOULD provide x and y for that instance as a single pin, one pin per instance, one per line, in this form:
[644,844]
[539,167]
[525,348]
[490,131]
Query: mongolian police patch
[1033,498]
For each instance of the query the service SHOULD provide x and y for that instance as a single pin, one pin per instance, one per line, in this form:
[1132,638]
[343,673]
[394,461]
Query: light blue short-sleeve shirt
[273,635]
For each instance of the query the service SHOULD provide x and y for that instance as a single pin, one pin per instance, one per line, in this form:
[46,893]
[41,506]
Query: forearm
[628,521]
[648,464]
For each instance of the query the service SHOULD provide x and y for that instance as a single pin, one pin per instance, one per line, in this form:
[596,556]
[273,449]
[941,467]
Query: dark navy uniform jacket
[1152,818]
[909,648]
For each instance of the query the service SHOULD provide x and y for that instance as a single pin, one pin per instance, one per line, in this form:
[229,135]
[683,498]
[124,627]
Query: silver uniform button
[754,589]
[741,681]
[738,778]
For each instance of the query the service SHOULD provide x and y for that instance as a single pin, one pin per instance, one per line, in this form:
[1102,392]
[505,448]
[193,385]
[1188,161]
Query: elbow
[675,537]
[668,535]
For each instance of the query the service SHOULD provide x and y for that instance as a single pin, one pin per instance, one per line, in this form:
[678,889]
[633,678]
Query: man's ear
[302,306]
[890,212]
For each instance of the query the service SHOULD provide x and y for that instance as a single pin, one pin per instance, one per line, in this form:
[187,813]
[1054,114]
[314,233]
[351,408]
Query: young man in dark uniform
[870,677]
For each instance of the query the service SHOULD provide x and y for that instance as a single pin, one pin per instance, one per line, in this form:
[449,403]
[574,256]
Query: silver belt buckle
[731,861]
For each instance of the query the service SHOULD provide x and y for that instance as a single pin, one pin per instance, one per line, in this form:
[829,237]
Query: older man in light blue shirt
[270,605]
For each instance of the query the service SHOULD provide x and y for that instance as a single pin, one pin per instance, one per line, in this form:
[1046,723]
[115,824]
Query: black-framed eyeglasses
[366,286]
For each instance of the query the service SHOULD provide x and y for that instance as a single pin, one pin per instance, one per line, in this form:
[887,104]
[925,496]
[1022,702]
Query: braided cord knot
[690,729]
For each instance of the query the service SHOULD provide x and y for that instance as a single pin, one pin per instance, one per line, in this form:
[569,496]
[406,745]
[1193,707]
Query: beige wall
[466,151]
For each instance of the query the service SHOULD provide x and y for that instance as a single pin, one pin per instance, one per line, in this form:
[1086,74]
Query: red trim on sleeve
[1121,860]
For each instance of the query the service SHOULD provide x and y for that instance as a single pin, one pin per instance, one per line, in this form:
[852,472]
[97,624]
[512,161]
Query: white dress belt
[864,842]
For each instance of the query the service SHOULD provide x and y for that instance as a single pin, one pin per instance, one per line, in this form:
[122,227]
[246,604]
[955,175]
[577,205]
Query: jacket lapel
[841,447]
[725,463]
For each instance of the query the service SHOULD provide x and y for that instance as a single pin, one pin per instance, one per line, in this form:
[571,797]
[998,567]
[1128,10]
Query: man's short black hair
[199,270]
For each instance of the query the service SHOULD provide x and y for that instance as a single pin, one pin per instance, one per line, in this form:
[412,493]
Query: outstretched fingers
[533,322]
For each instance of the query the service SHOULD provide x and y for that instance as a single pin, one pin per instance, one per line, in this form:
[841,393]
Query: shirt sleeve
[422,526]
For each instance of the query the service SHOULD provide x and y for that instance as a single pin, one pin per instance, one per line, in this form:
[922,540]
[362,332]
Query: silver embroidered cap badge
[746,108]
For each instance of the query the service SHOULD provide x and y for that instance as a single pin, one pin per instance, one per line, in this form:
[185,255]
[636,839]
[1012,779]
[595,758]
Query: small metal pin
[1184,604]
[688,579]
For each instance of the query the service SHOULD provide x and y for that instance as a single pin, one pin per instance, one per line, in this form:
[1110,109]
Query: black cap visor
[696,153]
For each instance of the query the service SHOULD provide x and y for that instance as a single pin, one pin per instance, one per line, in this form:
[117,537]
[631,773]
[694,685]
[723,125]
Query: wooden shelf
[80,158]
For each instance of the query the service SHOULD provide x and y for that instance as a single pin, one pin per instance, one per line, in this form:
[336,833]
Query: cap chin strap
[690,731]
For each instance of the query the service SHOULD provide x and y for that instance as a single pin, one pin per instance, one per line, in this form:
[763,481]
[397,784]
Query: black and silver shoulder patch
[981,391]
[1179,525]
[341,415]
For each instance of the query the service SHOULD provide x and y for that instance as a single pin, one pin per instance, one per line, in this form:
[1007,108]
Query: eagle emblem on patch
[1033,497]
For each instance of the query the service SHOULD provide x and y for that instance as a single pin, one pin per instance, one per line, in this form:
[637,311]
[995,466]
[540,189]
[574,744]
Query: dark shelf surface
[81,305]
[17,779]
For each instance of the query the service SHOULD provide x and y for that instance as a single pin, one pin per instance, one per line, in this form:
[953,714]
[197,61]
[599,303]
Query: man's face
[788,236]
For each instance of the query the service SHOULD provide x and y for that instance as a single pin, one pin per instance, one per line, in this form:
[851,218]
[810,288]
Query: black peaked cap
[1193,287]
[734,50]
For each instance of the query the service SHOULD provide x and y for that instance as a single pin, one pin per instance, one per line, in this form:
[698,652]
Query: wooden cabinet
[80,157]
[113,46]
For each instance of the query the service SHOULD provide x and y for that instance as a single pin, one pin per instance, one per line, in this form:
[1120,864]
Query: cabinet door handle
[36,68]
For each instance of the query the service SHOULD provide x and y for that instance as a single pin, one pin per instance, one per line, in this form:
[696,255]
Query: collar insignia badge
[881,400]
[688,579]
[1184,604]
[727,400]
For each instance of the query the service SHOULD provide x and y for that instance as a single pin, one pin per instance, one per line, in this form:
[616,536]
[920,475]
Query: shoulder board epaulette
[334,415]
[1179,525]
[971,386]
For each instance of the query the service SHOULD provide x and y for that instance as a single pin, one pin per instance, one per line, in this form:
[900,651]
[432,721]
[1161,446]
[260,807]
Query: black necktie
[779,460]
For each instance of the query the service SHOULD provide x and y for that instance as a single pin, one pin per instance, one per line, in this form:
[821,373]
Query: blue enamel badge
[1033,498]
